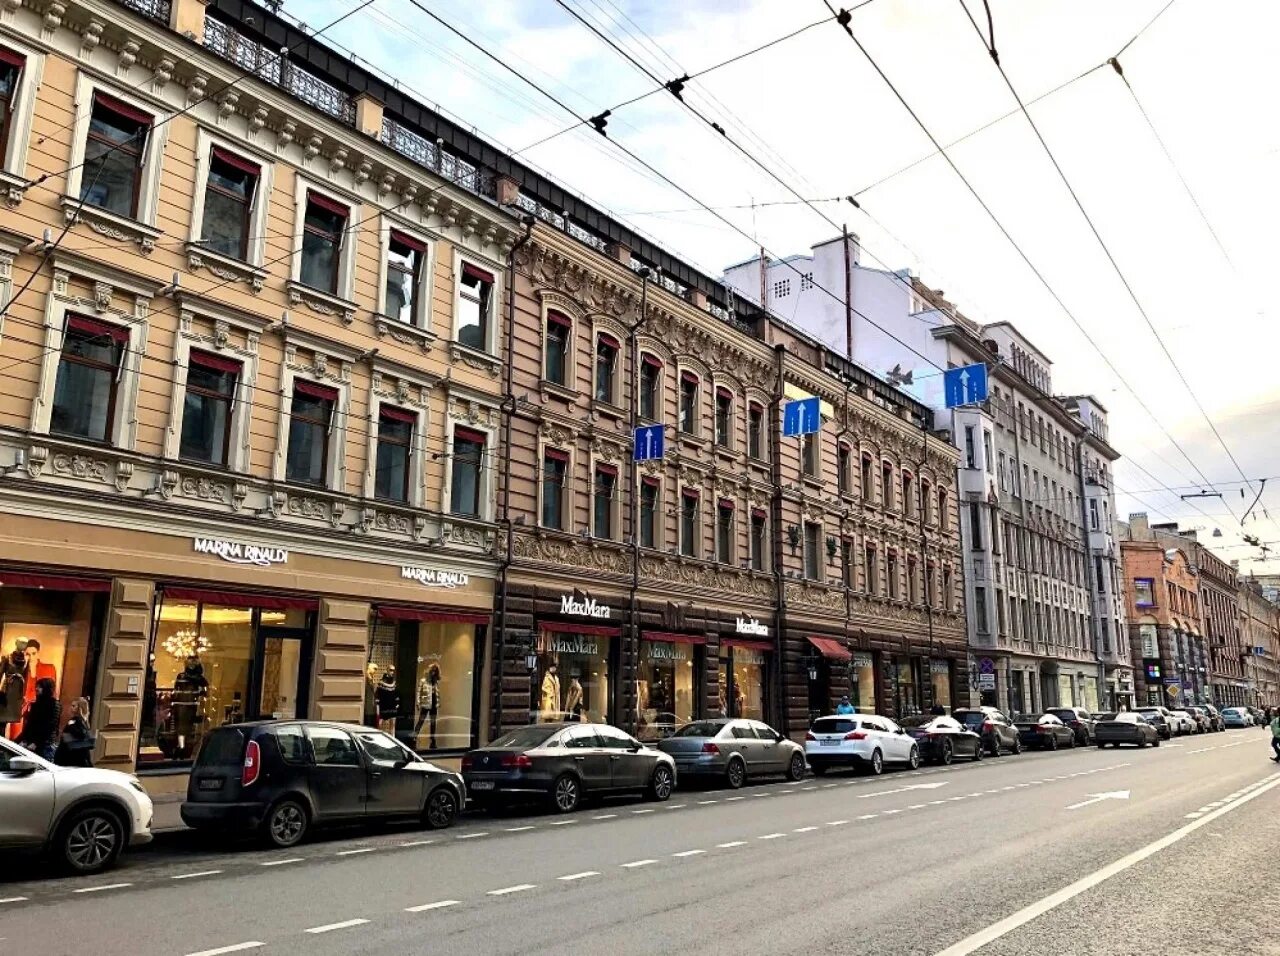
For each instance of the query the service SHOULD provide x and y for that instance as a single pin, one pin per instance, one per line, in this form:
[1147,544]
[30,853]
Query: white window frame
[14,162]
[461,259]
[422,305]
[206,140]
[346,254]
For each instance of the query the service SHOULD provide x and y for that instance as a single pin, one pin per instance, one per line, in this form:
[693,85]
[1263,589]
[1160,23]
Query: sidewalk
[167,818]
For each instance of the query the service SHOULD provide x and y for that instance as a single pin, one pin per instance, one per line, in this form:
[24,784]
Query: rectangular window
[310,419]
[228,203]
[432,680]
[908,495]
[1000,469]
[929,596]
[649,513]
[1097,572]
[605,488]
[870,570]
[809,455]
[944,514]
[468,462]
[980,609]
[846,562]
[206,408]
[475,303]
[886,486]
[975,526]
[812,550]
[946,589]
[1144,592]
[844,455]
[607,350]
[688,403]
[724,418]
[11,67]
[112,173]
[986,450]
[323,230]
[689,523]
[395,453]
[867,488]
[405,258]
[555,467]
[891,573]
[1000,621]
[1093,514]
[913,586]
[724,531]
[755,431]
[84,395]
[650,387]
[970,449]
[758,541]
[556,362]
[926,499]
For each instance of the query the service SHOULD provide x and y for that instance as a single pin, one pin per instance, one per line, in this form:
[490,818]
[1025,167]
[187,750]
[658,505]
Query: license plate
[829,743]
[211,783]
[482,785]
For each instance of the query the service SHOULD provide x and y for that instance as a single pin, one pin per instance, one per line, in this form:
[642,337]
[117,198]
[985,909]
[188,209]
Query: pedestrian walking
[845,706]
[1275,737]
[75,748]
[43,717]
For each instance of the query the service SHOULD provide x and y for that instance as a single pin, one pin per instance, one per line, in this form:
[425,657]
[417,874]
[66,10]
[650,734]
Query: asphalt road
[1011,856]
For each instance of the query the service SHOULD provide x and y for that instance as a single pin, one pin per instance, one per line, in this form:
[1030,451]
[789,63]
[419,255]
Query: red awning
[559,627]
[270,602]
[327,204]
[215,362]
[395,414]
[13,59]
[477,273]
[80,323]
[51,582]
[394,612]
[122,108]
[830,648]
[236,161]
[314,390]
[670,638]
[409,242]
[747,645]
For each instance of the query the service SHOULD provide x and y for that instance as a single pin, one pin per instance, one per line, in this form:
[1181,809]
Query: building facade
[1259,645]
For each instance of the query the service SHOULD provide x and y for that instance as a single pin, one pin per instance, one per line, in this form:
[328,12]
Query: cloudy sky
[814,110]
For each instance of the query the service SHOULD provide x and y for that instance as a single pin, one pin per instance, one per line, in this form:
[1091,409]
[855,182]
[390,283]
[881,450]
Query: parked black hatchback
[280,778]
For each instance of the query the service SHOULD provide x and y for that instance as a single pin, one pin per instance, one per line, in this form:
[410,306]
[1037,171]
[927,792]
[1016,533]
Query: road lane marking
[649,810]
[437,905]
[731,799]
[726,846]
[189,876]
[561,823]
[1025,915]
[358,850]
[234,948]
[292,859]
[417,842]
[518,829]
[804,829]
[771,836]
[637,863]
[675,806]
[891,812]
[578,876]
[706,803]
[808,788]
[97,889]
[828,786]
[868,816]
[836,823]
[605,816]
[1192,816]
[13,899]
[518,888]
[471,836]
[762,795]
[684,853]
[330,927]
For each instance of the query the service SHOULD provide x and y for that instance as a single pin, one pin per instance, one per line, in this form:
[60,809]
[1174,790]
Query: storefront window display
[940,679]
[742,680]
[906,686]
[862,683]
[420,682]
[571,680]
[666,687]
[1066,692]
[1089,687]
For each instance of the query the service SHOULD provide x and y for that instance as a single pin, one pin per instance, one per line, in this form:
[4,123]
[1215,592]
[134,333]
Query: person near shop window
[387,701]
[75,748]
[428,705]
[13,691]
[44,716]
[845,706]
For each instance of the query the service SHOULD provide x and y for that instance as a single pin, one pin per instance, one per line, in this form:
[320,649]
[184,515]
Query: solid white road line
[726,846]
[561,823]
[684,853]
[13,899]
[578,876]
[330,927]
[636,863]
[292,859]
[96,889]
[235,948]
[471,836]
[417,842]
[518,829]
[1025,915]
[605,816]
[192,876]
[357,851]
[437,905]
[518,888]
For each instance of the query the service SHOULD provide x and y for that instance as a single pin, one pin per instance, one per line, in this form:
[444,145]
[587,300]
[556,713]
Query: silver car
[733,751]
[80,816]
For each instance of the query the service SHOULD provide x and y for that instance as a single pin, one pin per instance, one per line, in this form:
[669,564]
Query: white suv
[80,816]
[861,741]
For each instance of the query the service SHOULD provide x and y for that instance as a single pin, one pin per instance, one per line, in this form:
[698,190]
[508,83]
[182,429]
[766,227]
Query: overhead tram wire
[1124,279]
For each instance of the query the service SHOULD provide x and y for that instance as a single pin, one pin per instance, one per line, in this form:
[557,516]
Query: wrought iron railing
[419,149]
[151,9]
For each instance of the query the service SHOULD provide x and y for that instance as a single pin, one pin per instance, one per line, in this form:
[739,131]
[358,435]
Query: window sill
[473,358]
[608,409]
[325,303]
[549,389]
[724,453]
[225,267]
[812,482]
[110,225]
[14,188]
[757,462]
[397,331]
[693,441]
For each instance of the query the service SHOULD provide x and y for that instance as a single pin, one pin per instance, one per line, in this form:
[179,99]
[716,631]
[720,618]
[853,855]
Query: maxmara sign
[435,577]
[749,625]
[587,607]
[237,552]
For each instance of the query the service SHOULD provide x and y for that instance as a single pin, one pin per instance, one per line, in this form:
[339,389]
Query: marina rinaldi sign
[435,577]
[240,552]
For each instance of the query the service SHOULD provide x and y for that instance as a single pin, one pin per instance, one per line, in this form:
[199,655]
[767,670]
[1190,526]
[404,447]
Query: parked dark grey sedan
[564,762]
[733,751]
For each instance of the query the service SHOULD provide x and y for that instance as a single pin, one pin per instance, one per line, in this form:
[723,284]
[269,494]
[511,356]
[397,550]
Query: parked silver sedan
[733,751]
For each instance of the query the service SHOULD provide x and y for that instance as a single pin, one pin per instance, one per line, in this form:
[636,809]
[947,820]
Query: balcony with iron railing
[158,10]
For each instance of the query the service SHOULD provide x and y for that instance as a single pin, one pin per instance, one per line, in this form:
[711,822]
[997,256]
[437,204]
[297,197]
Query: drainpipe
[508,412]
[633,626]
[780,589]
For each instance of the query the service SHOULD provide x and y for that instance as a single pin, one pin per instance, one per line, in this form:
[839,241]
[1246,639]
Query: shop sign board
[550,643]
[584,607]
[861,661]
[939,667]
[986,682]
[238,552]
[435,577]
[750,625]
[666,651]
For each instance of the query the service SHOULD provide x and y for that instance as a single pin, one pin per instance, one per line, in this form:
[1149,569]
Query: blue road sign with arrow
[648,443]
[801,416]
[966,385]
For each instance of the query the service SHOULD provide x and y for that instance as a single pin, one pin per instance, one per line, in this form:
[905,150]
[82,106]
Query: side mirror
[24,765]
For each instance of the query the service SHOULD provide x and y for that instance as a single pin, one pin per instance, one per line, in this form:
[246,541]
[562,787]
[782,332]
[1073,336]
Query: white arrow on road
[1099,797]
[914,786]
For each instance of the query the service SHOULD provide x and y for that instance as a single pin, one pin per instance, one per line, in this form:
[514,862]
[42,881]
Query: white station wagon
[861,741]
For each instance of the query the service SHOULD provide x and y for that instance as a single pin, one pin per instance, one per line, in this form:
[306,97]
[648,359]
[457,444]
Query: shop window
[724,418]
[84,396]
[571,680]
[844,476]
[689,501]
[741,683]
[755,431]
[465,474]
[556,359]
[111,175]
[812,550]
[406,257]
[688,403]
[607,350]
[604,498]
[11,67]
[724,531]
[906,686]
[650,387]
[229,194]
[420,682]
[649,490]
[862,683]
[206,408]
[474,307]
[395,453]
[310,422]
[940,679]
[555,468]
[666,688]
[759,541]
[324,227]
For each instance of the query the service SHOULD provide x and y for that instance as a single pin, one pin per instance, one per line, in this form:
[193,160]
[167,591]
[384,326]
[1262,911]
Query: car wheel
[1072,742]
[736,773]
[286,823]
[662,784]
[913,758]
[441,809]
[977,752]
[795,769]
[566,793]
[877,763]
[947,754]
[1156,742]
[1053,742]
[1017,746]
[90,840]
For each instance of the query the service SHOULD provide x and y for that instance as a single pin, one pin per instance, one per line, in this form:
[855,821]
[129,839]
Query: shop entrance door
[281,664]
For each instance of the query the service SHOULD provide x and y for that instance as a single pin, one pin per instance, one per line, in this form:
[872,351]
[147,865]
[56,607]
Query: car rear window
[222,748]
[1064,713]
[834,725]
[971,718]
[525,738]
[1110,717]
[700,728]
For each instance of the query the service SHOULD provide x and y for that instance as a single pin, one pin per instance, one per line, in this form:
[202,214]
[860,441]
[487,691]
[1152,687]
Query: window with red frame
[603,496]
[206,408]
[228,203]
[556,360]
[84,393]
[111,175]
[466,472]
[405,258]
[555,469]
[11,67]
[650,387]
[607,349]
[724,418]
[395,453]
[310,422]
[689,502]
[324,226]
[724,531]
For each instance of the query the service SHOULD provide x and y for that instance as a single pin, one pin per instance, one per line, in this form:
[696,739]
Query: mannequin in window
[13,691]
[428,704]
[370,688]
[573,700]
[190,689]
[721,694]
[386,700]
[550,704]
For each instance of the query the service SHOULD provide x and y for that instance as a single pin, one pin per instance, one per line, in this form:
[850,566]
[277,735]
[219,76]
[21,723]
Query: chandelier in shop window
[185,643]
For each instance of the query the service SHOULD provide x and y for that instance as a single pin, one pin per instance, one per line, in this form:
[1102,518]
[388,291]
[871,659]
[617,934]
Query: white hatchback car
[80,816]
[860,741]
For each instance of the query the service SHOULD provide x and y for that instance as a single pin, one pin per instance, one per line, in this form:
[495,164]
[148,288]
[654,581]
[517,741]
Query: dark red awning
[671,638]
[397,612]
[830,648]
[51,582]
[559,627]
[269,602]
[747,645]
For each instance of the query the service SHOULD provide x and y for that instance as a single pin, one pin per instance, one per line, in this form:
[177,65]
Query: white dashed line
[637,863]
[605,816]
[675,806]
[417,842]
[707,803]
[234,948]
[868,816]
[330,927]
[804,829]
[1192,816]
[471,836]
[828,786]
[518,888]
[684,853]
[727,846]
[425,907]
[192,876]
[561,823]
[771,836]
[13,899]
[808,788]
[518,829]
[762,795]
[650,810]
[731,799]
[98,889]
[292,859]
[355,852]
[934,803]
[891,812]
[578,876]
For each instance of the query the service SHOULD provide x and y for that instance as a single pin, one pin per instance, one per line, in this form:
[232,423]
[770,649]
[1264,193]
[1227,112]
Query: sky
[1194,238]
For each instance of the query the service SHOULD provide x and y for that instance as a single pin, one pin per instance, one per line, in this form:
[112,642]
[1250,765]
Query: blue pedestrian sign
[801,416]
[648,443]
[966,385]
